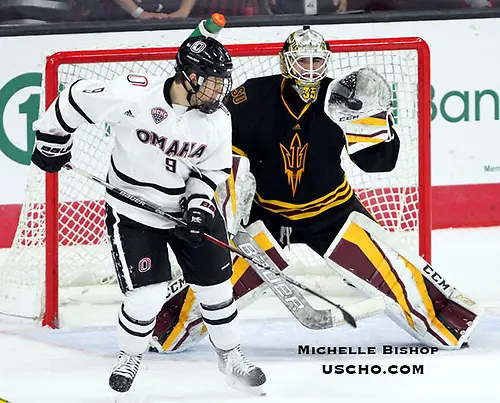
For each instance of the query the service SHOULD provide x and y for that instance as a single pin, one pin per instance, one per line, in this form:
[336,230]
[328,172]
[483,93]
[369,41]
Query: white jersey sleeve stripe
[205,179]
[206,183]
[197,186]
[127,179]
[67,128]
[75,106]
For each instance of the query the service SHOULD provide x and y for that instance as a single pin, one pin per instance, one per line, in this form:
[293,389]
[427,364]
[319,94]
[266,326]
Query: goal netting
[60,252]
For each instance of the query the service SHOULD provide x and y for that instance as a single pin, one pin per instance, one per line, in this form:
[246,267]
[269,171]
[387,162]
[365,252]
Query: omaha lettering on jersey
[172,148]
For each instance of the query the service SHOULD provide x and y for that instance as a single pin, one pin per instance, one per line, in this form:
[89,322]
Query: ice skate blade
[254,390]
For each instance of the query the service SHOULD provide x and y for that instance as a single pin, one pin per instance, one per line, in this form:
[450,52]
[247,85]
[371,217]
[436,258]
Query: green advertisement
[465,106]
[29,108]
[454,106]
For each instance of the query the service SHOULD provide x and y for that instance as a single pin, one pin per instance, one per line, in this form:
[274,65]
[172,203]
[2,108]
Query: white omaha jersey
[162,153]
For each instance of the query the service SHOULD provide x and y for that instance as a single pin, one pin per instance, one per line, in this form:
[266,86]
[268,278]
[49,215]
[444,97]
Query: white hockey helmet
[304,59]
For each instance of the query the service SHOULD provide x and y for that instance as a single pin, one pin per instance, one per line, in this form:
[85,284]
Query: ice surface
[72,364]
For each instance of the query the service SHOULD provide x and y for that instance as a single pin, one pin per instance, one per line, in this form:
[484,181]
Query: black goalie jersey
[295,151]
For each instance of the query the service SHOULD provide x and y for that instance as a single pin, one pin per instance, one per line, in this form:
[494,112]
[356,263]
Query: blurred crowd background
[14,12]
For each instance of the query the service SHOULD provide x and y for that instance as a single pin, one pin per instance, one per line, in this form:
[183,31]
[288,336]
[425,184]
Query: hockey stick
[153,208]
[265,267]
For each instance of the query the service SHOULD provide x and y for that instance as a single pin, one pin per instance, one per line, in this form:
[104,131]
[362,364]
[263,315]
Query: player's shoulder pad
[254,89]
[219,123]
[89,86]
[221,118]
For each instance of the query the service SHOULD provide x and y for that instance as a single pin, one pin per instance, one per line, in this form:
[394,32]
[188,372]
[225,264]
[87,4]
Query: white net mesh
[84,259]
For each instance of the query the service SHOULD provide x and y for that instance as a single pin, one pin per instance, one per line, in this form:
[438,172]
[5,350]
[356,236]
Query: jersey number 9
[170,164]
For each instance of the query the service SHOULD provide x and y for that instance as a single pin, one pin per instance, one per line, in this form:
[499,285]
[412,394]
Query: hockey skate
[240,373]
[124,371]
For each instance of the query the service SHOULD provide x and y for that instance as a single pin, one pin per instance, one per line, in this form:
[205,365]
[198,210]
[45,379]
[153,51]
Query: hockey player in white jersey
[172,147]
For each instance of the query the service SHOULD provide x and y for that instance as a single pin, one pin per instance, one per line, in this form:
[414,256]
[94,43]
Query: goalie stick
[309,317]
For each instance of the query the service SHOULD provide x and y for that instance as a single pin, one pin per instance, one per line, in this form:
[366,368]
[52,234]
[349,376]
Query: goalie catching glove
[52,151]
[361,93]
[360,103]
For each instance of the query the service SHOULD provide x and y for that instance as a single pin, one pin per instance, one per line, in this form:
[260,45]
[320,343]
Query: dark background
[34,17]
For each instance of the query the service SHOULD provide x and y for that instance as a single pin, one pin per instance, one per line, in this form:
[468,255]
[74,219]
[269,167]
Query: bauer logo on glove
[52,151]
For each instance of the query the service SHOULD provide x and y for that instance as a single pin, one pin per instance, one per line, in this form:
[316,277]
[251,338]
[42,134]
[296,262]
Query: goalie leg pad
[248,286]
[179,324]
[417,298]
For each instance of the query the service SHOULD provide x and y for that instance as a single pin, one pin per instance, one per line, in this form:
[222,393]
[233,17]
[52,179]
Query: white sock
[137,317]
[219,313]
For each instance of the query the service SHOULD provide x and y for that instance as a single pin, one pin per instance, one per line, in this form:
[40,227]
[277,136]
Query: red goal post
[412,204]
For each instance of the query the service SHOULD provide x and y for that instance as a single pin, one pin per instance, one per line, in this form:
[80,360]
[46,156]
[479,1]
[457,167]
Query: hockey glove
[199,215]
[198,223]
[362,93]
[52,151]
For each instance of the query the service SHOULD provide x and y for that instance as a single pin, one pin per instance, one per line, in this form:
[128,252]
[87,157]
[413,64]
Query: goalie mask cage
[60,243]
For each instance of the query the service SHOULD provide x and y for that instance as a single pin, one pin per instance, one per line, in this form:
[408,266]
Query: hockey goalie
[289,130]
[394,280]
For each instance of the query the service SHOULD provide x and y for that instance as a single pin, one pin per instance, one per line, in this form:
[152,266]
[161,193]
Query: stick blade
[348,318]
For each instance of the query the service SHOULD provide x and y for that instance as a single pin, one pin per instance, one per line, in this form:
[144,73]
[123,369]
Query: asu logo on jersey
[239,95]
[294,161]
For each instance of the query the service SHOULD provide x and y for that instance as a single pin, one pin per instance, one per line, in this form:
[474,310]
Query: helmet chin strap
[190,91]
[205,107]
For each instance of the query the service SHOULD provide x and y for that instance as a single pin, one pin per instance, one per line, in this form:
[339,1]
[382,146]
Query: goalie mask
[212,64]
[304,59]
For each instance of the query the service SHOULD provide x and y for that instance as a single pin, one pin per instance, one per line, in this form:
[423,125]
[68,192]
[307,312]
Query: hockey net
[60,251]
